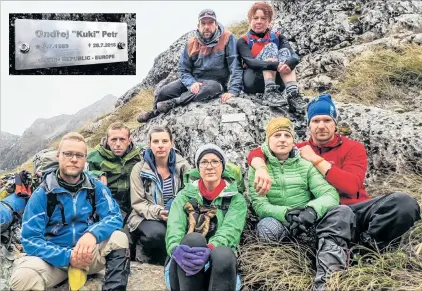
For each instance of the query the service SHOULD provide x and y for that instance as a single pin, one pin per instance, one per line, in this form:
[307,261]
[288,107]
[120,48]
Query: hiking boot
[165,106]
[145,116]
[296,102]
[272,96]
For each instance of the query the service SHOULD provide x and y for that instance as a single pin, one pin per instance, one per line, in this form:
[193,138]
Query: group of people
[213,63]
[151,205]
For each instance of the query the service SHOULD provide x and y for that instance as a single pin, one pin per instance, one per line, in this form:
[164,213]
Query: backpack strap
[250,40]
[90,196]
[52,202]
[225,203]
[274,38]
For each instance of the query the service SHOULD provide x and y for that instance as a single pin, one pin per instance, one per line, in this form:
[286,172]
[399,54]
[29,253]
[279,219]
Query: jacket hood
[192,189]
[105,151]
[52,185]
[214,39]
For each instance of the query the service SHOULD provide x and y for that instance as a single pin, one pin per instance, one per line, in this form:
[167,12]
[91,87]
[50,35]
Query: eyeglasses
[214,164]
[70,155]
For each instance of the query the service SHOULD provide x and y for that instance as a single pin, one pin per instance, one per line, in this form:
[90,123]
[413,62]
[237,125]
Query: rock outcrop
[46,130]
[393,140]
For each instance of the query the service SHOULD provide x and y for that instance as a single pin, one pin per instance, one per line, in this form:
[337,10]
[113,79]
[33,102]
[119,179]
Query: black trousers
[253,81]
[151,235]
[385,218]
[176,90]
[221,275]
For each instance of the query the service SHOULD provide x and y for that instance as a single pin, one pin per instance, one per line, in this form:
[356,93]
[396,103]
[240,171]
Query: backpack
[250,40]
[45,160]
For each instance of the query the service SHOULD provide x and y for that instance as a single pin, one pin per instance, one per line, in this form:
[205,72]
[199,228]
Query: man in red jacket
[380,220]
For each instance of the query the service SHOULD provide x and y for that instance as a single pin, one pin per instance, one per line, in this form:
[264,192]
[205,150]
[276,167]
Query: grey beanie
[210,148]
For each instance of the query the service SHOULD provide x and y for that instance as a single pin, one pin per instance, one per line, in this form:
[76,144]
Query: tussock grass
[410,183]
[239,28]
[382,74]
[266,266]
[127,113]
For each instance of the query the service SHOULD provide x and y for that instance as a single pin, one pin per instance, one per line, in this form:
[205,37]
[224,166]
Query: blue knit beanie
[322,105]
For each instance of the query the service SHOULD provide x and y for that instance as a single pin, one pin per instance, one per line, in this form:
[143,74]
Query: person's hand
[188,260]
[263,181]
[306,218]
[283,68]
[164,214]
[193,267]
[79,264]
[203,252]
[103,179]
[194,88]
[308,154]
[225,97]
[293,225]
[84,248]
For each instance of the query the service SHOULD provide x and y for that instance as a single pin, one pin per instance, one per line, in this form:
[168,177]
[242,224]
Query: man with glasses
[79,236]
[208,62]
[112,162]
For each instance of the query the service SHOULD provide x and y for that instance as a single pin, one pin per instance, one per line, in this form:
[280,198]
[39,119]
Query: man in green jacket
[301,204]
[112,161]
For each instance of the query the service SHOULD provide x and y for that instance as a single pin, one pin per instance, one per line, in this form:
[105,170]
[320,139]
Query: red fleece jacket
[349,163]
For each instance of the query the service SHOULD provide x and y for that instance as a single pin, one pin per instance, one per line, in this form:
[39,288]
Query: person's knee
[118,240]
[269,229]
[26,279]
[405,204]
[223,260]
[154,236]
[212,87]
[194,239]
[343,211]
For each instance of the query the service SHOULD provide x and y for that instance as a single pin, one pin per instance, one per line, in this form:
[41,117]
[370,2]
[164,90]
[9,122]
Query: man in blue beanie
[380,221]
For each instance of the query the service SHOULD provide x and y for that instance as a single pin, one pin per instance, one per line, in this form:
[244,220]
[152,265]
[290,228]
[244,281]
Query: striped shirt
[167,190]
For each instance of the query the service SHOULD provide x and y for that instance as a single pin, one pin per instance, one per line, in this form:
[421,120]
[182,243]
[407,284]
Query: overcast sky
[26,98]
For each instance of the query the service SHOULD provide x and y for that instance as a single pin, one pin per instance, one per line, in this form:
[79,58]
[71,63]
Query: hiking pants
[333,234]
[385,218]
[33,273]
[150,242]
[253,80]
[221,274]
[176,90]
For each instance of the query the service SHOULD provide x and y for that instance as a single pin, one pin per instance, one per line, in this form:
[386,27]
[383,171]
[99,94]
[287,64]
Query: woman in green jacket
[204,226]
[154,182]
[301,204]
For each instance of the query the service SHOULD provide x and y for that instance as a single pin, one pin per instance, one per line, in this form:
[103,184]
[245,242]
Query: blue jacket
[217,60]
[52,241]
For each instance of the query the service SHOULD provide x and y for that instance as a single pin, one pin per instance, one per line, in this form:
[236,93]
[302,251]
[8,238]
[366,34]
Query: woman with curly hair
[269,61]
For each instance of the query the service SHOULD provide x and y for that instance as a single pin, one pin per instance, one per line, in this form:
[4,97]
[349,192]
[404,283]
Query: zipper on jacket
[74,199]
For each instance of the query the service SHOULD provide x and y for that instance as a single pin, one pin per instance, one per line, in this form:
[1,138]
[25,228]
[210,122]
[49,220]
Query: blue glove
[188,260]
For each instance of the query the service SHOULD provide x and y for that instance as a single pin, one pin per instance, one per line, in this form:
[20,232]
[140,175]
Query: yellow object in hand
[77,278]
